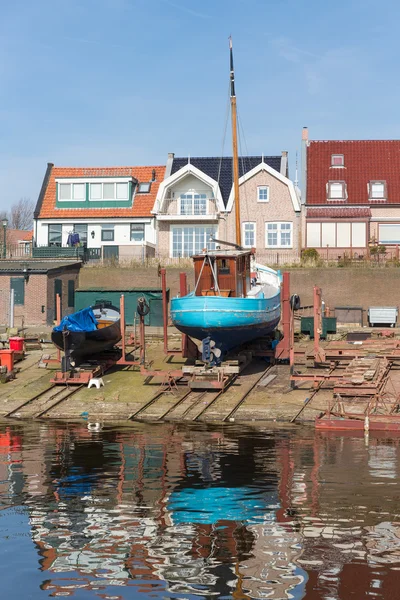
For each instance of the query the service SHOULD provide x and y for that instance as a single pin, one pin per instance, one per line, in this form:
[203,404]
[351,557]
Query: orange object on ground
[7,359]
[16,343]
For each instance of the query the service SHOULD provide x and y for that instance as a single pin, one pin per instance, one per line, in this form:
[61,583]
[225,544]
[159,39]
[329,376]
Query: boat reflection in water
[197,512]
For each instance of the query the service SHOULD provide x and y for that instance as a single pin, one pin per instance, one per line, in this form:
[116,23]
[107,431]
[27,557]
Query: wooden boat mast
[235,149]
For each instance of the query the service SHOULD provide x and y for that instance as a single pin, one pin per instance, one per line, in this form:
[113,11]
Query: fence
[22,250]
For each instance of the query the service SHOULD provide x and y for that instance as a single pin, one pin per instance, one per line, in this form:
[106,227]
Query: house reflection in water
[206,511]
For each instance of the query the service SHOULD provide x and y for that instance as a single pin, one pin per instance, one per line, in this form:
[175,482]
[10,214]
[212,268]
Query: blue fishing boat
[235,300]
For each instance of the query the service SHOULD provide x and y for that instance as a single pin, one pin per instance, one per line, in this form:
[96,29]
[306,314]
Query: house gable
[183,179]
[262,166]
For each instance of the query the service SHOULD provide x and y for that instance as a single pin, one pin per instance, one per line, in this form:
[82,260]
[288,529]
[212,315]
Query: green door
[57,290]
[18,285]
[110,252]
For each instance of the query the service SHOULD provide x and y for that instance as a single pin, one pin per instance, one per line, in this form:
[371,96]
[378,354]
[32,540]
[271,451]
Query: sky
[124,82]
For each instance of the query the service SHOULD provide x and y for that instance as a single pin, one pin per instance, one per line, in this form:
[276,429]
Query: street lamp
[5,223]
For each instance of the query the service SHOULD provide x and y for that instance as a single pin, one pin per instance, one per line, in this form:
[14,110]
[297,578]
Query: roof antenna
[262,157]
[188,159]
[296,179]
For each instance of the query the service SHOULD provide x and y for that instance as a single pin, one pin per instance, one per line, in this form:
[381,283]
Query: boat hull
[83,344]
[229,322]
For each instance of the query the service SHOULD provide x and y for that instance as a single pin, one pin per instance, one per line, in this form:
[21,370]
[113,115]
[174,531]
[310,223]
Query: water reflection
[166,511]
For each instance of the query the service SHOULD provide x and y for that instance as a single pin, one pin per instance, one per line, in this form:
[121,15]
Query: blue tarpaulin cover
[83,320]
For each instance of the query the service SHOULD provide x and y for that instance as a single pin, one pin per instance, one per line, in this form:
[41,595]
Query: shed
[91,296]
[36,284]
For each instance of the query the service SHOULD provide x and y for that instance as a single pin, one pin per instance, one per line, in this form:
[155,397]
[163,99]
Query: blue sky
[116,82]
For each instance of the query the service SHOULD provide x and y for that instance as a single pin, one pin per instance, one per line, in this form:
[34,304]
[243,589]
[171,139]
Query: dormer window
[337,160]
[144,188]
[377,190]
[337,190]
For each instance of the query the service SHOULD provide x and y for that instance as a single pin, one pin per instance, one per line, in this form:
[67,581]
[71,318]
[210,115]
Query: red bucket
[17,344]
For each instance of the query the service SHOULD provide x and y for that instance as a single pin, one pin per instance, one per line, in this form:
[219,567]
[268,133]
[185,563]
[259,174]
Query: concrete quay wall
[341,286]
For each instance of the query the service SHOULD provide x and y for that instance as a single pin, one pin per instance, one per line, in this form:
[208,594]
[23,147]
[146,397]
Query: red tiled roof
[339,212]
[364,160]
[142,205]
[18,235]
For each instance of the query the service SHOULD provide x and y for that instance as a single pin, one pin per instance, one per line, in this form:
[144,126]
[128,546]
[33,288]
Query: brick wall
[35,297]
[341,286]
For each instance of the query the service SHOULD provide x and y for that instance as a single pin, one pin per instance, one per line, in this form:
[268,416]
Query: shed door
[57,290]
[18,285]
[110,252]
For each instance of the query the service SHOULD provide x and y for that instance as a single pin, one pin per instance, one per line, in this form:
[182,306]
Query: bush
[309,255]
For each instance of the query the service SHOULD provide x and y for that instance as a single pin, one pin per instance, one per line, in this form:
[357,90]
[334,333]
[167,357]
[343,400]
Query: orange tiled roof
[18,235]
[142,205]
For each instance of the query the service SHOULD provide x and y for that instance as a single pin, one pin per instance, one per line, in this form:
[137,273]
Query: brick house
[36,284]
[270,213]
[351,189]
[110,209]
[195,200]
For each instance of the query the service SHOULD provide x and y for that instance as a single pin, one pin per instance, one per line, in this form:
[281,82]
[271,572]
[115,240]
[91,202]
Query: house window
[144,188]
[336,190]
[81,229]
[108,191]
[137,232]
[377,190]
[55,235]
[389,233]
[337,160]
[336,235]
[249,235]
[278,235]
[263,193]
[72,192]
[187,241]
[107,233]
[193,204]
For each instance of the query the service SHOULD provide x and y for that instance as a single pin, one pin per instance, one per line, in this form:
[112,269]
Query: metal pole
[4,241]
[12,301]
[58,321]
[183,292]
[165,308]
[122,321]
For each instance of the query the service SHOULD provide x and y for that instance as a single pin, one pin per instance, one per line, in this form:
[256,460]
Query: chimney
[304,146]
[168,167]
[284,163]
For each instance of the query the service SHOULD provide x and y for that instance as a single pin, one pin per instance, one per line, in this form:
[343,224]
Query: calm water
[166,511]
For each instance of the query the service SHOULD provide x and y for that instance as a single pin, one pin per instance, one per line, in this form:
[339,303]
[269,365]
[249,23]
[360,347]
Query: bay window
[187,241]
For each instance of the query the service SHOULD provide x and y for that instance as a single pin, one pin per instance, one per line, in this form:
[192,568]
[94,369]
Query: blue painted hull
[230,322]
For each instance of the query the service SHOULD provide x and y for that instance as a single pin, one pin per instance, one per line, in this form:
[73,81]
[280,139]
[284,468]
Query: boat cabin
[223,273]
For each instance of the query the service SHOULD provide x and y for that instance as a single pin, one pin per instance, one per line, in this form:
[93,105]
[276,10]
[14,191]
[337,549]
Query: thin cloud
[187,10]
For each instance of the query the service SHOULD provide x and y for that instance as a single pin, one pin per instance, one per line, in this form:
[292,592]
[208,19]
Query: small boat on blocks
[88,332]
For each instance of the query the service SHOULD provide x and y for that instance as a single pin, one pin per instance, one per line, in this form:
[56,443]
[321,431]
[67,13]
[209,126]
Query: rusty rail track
[41,397]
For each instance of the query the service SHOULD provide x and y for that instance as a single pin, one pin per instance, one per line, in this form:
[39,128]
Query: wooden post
[165,308]
[58,321]
[122,321]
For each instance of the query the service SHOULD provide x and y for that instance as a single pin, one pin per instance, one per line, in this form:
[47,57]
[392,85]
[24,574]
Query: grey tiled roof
[213,165]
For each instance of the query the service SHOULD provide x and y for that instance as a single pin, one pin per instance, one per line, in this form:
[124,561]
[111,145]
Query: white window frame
[193,194]
[371,190]
[210,245]
[333,156]
[72,184]
[107,227]
[262,188]
[336,198]
[244,234]
[139,227]
[279,234]
[102,199]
